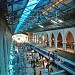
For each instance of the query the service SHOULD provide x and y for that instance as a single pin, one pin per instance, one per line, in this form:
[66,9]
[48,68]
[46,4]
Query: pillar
[50,43]
[49,39]
[74,46]
[35,39]
[56,45]
[74,42]
[38,39]
[64,45]
[45,40]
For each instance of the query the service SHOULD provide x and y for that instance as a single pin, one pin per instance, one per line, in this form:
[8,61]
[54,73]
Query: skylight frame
[31,5]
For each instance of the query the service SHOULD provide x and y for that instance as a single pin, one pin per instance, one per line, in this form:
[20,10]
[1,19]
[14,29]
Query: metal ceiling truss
[33,4]
[34,10]
[59,9]
[16,11]
[43,13]
[14,2]
[14,15]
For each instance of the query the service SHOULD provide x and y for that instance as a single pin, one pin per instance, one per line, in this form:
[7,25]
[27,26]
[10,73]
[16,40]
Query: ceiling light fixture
[41,26]
[58,21]
[53,21]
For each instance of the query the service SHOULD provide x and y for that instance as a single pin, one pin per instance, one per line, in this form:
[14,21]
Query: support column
[35,38]
[55,43]
[40,42]
[30,36]
[41,39]
[38,39]
[64,45]
[74,42]
[49,39]
[50,43]
[74,46]
[45,40]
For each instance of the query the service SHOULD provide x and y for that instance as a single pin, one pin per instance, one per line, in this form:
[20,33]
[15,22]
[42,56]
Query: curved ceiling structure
[38,15]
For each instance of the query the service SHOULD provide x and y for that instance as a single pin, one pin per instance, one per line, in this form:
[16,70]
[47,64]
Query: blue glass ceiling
[30,6]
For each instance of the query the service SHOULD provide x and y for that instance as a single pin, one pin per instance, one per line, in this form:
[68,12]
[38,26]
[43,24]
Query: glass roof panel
[30,6]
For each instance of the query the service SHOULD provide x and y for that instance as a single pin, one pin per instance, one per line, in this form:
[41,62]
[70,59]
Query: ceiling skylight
[30,6]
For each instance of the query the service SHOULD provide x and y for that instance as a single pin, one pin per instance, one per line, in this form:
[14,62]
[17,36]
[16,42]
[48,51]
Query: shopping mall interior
[37,37]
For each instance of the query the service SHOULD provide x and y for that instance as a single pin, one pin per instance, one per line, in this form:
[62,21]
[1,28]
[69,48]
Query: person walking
[51,67]
[40,73]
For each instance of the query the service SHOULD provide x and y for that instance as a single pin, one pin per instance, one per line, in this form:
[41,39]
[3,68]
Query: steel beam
[15,2]
[17,10]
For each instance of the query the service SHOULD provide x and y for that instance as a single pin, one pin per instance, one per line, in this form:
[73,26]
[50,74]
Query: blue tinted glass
[30,6]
